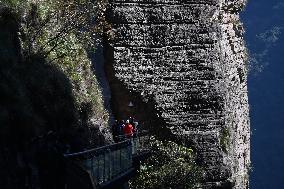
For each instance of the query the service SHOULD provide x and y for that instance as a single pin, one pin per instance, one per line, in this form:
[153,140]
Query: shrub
[171,166]
[224,140]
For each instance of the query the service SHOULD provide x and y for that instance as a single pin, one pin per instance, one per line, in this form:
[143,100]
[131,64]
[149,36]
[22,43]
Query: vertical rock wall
[183,65]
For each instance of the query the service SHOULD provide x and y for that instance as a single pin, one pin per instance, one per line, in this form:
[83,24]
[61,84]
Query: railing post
[109,164]
[98,176]
[92,166]
[130,154]
[120,165]
[104,167]
[112,160]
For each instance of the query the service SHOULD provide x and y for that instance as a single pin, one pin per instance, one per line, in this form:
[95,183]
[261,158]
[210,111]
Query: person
[121,127]
[131,120]
[128,129]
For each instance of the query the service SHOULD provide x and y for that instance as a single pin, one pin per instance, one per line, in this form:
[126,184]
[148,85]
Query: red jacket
[128,130]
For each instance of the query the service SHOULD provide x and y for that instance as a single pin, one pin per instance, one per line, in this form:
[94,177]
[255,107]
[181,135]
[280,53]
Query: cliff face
[183,65]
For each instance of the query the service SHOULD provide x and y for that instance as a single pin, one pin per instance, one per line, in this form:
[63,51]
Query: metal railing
[110,162]
[139,141]
[106,163]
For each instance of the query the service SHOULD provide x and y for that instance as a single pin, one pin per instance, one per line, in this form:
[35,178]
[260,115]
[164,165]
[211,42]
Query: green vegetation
[47,40]
[225,139]
[47,83]
[12,3]
[171,166]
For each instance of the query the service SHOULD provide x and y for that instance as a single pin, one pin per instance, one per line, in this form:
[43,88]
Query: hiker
[121,127]
[128,129]
[117,130]
[131,120]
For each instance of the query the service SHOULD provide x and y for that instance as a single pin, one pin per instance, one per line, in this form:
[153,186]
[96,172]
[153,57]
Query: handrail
[125,141]
[138,133]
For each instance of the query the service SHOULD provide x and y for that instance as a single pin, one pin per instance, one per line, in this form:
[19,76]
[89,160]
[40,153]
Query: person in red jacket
[128,129]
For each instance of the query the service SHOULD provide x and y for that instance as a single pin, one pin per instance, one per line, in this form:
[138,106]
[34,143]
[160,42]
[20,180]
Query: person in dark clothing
[131,120]
[120,128]
[117,130]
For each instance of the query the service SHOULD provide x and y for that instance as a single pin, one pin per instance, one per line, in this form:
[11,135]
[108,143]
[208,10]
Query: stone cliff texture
[183,65]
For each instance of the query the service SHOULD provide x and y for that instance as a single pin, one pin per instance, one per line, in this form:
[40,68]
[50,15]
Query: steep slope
[44,105]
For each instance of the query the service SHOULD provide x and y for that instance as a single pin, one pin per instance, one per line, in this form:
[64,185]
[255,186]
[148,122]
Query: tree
[48,24]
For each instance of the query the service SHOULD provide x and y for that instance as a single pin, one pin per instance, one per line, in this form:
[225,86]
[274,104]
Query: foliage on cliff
[171,166]
[46,81]
[56,35]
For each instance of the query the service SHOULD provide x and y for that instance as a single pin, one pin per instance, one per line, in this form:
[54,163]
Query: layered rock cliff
[183,66]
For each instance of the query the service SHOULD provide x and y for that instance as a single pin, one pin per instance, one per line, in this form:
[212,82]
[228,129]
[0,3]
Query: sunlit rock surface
[184,64]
